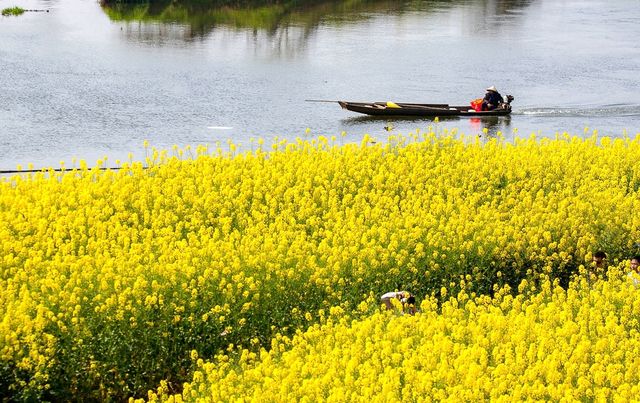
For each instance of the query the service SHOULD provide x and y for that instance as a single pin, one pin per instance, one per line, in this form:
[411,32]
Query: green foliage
[13,11]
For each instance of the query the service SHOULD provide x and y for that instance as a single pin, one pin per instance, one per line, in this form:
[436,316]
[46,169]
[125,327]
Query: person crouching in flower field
[634,274]
[407,301]
[599,267]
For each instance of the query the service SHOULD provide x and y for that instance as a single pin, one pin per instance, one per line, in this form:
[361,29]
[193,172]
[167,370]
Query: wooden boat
[407,109]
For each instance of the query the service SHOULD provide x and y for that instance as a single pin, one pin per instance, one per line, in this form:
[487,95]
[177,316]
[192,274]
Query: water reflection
[286,27]
[492,125]
[489,126]
[492,18]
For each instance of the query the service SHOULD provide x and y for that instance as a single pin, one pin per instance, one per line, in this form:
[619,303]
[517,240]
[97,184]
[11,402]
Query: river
[78,82]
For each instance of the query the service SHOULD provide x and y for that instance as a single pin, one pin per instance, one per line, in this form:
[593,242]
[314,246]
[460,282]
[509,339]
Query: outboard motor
[507,105]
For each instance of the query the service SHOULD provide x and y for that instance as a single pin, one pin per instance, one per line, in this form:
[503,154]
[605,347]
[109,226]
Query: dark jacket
[491,100]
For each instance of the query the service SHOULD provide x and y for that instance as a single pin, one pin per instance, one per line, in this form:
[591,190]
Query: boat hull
[432,110]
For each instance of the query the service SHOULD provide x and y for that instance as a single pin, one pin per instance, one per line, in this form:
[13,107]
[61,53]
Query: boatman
[492,99]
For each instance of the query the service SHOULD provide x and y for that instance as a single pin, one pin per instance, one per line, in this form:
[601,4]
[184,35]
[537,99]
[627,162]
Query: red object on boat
[476,104]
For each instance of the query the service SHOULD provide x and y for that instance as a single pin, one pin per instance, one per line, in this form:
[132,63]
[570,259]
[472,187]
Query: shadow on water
[276,19]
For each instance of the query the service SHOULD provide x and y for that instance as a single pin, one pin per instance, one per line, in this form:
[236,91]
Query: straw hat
[492,88]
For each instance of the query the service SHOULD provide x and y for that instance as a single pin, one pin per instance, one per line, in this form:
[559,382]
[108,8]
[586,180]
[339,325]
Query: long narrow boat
[407,109]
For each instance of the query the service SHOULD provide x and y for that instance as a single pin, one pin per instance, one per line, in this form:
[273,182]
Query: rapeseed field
[210,273]
[544,344]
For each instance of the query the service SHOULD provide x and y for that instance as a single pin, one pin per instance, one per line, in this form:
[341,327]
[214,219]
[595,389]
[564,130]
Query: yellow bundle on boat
[392,105]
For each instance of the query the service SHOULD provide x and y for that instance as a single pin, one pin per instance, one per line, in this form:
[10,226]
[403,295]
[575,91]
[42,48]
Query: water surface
[85,82]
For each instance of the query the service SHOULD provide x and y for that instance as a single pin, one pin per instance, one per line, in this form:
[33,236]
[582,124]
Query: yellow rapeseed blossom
[111,279]
[553,345]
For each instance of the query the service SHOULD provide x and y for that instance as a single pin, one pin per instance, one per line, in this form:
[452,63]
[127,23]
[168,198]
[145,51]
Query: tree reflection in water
[281,27]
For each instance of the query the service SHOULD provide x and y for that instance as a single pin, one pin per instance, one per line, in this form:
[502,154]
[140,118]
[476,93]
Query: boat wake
[614,110]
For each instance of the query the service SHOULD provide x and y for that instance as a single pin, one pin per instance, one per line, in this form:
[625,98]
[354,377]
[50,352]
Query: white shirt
[394,294]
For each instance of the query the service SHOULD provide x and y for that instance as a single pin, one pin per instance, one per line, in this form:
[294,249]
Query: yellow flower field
[112,280]
[553,345]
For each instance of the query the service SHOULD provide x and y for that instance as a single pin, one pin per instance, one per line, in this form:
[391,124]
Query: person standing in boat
[492,99]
